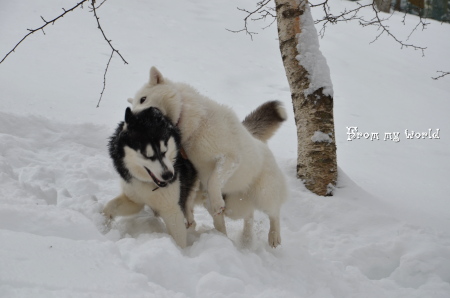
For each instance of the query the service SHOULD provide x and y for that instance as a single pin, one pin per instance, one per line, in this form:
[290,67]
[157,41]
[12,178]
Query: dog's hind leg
[247,233]
[274,232]
[121,206]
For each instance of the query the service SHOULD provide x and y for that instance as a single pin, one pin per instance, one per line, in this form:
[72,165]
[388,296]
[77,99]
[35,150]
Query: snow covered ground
[384,234]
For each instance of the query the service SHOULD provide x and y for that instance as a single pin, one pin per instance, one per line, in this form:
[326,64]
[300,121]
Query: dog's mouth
[156,180]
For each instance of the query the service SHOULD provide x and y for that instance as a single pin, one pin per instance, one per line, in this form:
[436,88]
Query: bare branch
[421,22]
[43,26]
[443,74]
[100,4]
[94,10]
[113,50]
[353,14]
[259,10]
[344,16]
[378,22]
[104,78]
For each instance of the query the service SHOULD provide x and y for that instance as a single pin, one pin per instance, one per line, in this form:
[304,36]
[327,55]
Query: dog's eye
[142,100]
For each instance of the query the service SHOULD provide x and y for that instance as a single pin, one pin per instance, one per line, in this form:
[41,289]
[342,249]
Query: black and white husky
[146,152]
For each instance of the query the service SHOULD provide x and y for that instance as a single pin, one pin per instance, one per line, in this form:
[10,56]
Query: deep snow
[384,233]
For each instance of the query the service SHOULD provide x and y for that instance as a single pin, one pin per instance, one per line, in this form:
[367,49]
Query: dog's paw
[274,238]
[191,224]
[108,212]
[107,220]
[218,207]
[220,211]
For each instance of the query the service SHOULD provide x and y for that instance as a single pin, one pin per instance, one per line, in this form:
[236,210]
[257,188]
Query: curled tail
[265,120]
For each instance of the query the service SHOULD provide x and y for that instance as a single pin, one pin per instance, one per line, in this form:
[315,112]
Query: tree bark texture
[316,163]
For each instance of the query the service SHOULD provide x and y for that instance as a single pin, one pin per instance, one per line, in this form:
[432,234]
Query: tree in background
[433,9]
[311,93]
[438,10]
[383,5]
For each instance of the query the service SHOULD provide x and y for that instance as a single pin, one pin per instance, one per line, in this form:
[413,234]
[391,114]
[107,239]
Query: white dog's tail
[265,120]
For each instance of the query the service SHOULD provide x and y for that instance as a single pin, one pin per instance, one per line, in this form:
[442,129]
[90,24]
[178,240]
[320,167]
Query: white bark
[311,97]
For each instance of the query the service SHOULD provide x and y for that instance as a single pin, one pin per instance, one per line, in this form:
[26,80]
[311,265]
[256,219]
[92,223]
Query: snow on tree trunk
[312,95]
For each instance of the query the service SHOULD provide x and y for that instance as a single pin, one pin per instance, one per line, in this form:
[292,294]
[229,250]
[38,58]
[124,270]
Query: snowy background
[384,234]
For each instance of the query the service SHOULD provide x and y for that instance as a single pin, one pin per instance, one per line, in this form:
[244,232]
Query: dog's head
[145,146]
[159,92]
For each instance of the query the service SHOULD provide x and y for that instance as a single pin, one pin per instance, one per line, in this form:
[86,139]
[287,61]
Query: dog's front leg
[218,219]
[216,202]
[195,197]
[121,206]
[174,220]
[223,170]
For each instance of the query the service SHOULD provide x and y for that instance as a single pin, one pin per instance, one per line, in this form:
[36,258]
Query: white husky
[229,160]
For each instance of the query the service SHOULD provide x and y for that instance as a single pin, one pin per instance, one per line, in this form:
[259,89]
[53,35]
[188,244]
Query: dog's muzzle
[156,180]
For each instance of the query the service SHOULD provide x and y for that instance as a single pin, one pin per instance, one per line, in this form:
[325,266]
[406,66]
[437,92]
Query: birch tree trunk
[312,95]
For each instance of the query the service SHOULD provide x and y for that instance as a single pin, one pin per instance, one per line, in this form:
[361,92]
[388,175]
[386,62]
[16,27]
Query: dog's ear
[155,77]
[130,100]
[129,116]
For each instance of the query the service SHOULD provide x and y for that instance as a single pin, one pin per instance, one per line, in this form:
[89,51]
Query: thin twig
[43,26]
[377,21]
[344,16]
[100,4]
[104,79]
[94,10]
[421,22]
[259,9]
[443,74]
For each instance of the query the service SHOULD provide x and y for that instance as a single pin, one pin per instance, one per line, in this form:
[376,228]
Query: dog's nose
[167,175]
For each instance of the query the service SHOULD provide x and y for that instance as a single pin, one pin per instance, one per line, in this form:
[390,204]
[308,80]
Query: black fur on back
[150,126]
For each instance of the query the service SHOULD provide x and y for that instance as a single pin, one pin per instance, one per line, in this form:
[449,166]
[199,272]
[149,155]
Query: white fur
[141,191]
[164,201]
[229,160]
[282,112]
